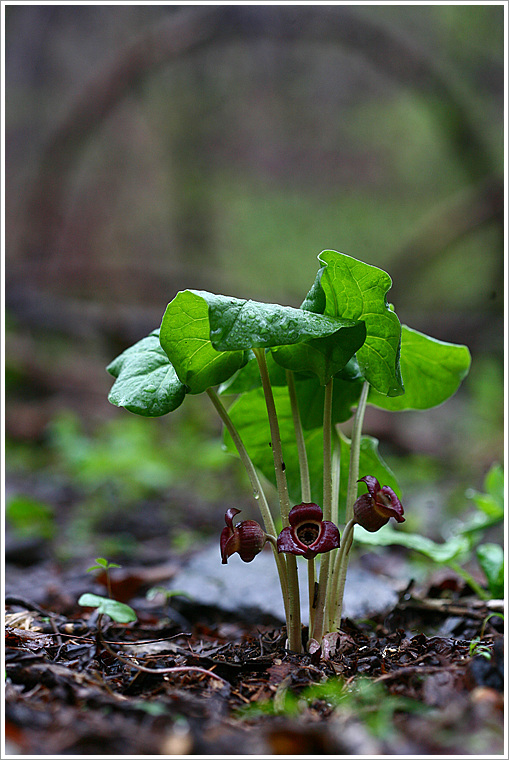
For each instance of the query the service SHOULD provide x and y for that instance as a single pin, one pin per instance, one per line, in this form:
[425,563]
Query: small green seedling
[476,647]
[297,375]
[104,565]
[166,593]
[117,611]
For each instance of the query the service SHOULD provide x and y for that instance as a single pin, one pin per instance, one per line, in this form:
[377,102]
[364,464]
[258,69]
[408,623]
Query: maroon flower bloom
[373,510]
[308,534]
[247,538]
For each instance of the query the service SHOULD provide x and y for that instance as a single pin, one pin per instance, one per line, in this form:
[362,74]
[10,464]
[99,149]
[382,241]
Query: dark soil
[184,680]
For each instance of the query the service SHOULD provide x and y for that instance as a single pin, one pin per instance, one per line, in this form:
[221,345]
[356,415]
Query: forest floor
[184,679]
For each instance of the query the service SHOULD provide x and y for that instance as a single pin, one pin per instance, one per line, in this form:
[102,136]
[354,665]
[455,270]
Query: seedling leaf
[117,611]
[102,564]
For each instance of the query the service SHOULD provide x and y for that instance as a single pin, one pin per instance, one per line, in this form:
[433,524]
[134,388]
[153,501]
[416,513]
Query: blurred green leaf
[127,454]
[29,517]
[492,501]
[491,559]
[102,564]
[440,553]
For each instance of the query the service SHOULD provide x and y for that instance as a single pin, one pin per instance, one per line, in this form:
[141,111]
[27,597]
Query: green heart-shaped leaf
[146,382]
[185,337]
[357,291]
[311,396]
[249,415]
[323,357]
[248,376]
[432,372]
[347,386]
[236,324]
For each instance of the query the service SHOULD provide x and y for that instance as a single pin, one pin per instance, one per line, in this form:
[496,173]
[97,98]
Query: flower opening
[374,509]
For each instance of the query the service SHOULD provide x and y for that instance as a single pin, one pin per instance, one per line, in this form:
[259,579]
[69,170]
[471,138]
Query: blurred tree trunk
[192,172]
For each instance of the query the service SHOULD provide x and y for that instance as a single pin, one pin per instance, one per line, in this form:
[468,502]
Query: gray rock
[252,589]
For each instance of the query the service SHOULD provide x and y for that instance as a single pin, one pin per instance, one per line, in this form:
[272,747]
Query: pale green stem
[333,592]
[317,631]
[277,452]
[305,483]
[353,477]
[327,452]
[355,449]
[293,616]
[343,566]
[299,438]
[256,485]
[336,477]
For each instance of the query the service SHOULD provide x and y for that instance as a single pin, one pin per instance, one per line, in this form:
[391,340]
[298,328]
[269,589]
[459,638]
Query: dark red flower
[308,534]
[247,538]
[373,510]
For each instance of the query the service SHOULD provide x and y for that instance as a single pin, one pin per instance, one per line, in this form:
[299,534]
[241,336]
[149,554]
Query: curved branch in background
[185,31]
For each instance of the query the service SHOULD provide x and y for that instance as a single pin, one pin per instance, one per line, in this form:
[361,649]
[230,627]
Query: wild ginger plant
[297,374]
